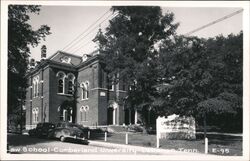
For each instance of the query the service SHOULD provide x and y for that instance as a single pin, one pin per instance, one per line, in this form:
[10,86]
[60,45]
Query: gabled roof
[59,56]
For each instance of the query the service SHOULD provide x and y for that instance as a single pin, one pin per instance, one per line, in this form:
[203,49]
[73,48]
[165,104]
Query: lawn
[218,144]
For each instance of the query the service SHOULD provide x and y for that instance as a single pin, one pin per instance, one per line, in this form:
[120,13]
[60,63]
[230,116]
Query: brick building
[67,87]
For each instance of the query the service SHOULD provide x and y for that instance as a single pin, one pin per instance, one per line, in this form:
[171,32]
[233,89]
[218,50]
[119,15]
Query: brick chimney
[43,52]
[32,63]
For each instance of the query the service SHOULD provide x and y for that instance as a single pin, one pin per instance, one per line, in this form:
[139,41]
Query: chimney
[32,63]
[37,63]
[43,52]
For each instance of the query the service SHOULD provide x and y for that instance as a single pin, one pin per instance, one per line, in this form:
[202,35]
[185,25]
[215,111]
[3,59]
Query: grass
[217,144]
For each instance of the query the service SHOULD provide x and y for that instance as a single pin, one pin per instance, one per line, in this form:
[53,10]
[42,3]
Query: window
[61,79]
[70,90]
[83,113]
[35,86]
[66,59]
[71,79]
[60,86]
[85,90]
[35,112]
[67,115]
[111,84]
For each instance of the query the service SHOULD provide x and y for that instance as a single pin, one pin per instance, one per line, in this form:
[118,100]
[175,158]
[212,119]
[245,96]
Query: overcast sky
[67,22]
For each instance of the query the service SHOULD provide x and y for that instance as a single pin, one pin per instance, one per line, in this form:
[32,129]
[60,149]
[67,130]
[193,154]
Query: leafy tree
[227,66]
[128,50]
[202,77]
[20,37]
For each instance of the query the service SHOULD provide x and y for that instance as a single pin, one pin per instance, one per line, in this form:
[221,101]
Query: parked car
[42,129]
[68,131]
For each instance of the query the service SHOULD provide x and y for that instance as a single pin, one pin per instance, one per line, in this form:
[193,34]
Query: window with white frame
[71,79]
[35,86]
[85,90]
[111,84]
[35,112]
[61,82]
[83,113]
[67,115]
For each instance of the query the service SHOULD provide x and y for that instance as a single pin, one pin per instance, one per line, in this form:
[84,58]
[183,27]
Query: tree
[128,50]
[201,77]
[227,66]
[20,37]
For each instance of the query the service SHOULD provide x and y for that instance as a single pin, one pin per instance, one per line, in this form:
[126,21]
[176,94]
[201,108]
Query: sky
[68,22]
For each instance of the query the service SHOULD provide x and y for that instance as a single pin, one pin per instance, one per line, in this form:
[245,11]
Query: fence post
[88,134]
[105,138]
[126,138]
[206,145]
[157,133]
[157,142]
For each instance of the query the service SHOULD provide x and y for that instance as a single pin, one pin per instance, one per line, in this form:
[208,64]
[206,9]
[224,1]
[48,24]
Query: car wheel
[62,138]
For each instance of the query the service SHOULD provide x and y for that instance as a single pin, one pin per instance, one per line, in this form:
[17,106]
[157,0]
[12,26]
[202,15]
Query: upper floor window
[85,90]
[66,59]
[61,82]
[111,86]
[71,79]
[35,86]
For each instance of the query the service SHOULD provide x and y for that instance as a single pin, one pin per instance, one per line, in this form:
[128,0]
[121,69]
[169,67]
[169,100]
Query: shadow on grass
[23,140]
[220,139]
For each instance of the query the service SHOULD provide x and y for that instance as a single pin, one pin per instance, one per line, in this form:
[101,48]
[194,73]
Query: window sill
[63,94]
[85,99]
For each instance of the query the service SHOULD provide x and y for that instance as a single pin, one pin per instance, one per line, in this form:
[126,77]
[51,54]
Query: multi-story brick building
[62,78]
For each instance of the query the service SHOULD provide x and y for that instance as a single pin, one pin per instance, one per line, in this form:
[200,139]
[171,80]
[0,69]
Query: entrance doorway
[66,115]
[110,116]
[126,120]
[129,116]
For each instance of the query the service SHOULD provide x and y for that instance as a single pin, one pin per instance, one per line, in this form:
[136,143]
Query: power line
[187,34]
[81,46]
[77,49]
[90,31]
[85,30]
[214,22]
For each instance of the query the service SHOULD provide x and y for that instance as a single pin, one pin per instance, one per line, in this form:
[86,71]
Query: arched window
[71,79]
[60,86]
[85,90]
[35,86]
[67,115]
[83,113]
[35,112]
[61,79]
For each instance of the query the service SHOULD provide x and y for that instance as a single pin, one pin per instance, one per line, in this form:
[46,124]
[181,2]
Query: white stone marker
[126,138]
[206,145]
[105,138]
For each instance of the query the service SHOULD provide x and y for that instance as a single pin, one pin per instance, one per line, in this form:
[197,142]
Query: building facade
[67,87]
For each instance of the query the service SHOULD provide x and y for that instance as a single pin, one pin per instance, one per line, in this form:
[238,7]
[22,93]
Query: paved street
[19,144]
